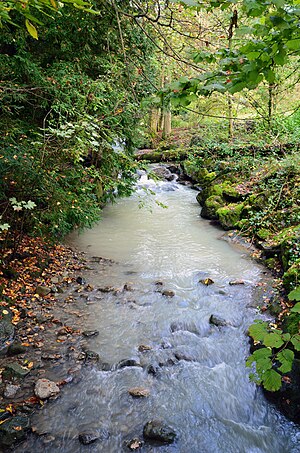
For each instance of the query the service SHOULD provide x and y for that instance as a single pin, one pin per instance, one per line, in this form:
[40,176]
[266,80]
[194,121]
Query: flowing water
[200,385]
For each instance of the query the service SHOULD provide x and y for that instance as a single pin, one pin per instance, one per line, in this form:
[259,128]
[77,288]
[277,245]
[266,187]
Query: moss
[230,215]
[271,263]
[263,233]
[291,277]
[211,206]
[291,323]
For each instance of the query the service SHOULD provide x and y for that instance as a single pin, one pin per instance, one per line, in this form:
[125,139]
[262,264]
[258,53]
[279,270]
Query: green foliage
[275,355]
[295,295]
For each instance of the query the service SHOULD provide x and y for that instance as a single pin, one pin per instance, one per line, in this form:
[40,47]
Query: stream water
[200,386]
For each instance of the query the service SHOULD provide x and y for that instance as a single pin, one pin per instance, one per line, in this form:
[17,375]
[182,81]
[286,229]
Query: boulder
[159,431]
[45,389]
[163,173]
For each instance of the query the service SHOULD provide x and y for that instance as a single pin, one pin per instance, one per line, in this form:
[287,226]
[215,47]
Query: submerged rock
[45,389]
[159,431]
[80,280]
[89,436]
[14,371]
[184,326]
[91,356]
[236,282]
[14,430]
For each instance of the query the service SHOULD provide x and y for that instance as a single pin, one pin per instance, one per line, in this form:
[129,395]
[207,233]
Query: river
[195,371]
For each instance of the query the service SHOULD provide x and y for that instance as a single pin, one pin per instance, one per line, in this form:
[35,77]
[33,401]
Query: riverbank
[40,331]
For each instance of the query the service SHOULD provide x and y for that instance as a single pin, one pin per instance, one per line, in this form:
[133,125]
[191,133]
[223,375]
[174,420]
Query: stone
[144,348]
[45,389]
[16,349]
[184,326]
[90,333]
[163,173]
[139,392]
[159,431]
[54,280]
[107,289]
[236,282]
[128,362]
[168,293]
[135,444]
[128,286]
[14,371]
[42,290]
[14,430]
[10,390]
[217,321]
[80,280]
[91,356]
[6,333]
[90,436]
[206,281]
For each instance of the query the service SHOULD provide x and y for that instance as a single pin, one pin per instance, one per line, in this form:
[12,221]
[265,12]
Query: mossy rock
[263,233]
[291,277]
[291,323]
[271,263]
[211,206]
[230,215]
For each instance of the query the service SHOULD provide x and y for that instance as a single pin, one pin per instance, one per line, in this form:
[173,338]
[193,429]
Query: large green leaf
[273,340]
[295,340]
[258,330]
[286,358]
[271,380]
[295,294]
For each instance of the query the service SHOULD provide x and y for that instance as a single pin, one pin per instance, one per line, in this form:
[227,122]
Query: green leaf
[295,340]
[31,29]
[293,44]
[295,294]
[296,308]
[273,340]
[270,76]
[286,337]
[258,330]
[286,358]
[271,380]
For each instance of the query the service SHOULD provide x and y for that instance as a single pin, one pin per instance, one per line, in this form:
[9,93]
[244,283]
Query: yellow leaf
[5,312]
[31,29]
[53,3]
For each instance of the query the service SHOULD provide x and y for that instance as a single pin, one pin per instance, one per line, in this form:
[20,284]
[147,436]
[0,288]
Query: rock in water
[89,436]
[217,321]
[45,388]
[158,430]
[206,281]
[90,333]
[135,444]
[139,392]
[13,430]
[168,293]
[236,282]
